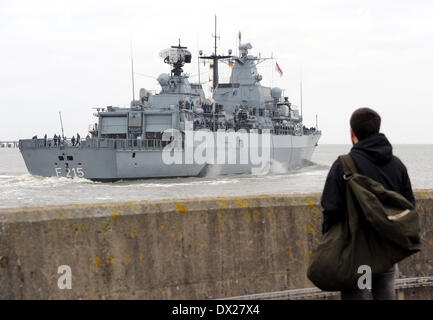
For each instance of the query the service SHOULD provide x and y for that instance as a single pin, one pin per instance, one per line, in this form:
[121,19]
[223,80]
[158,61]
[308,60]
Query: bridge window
[61,158]
[70,158]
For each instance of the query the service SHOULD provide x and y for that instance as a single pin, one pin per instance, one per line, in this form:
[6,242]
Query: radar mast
[176,56]
[215,57]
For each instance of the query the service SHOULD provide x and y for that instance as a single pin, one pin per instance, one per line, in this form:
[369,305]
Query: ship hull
[110,163]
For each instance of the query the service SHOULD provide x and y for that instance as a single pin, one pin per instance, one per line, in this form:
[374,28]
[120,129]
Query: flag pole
[302,118]
[132,72]
[272,56]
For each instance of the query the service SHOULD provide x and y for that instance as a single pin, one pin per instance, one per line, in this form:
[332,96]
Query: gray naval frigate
[153,137]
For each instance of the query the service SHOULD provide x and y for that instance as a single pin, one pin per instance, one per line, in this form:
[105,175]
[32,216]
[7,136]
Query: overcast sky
[72,56]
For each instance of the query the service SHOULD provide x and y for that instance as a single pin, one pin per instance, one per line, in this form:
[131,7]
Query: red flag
[277,67]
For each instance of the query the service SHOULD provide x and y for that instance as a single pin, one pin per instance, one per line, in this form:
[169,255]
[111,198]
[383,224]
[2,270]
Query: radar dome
[276,93]
[163,79]
[245,46]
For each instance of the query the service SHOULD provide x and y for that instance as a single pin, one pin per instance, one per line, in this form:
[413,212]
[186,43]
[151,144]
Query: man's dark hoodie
[373,158]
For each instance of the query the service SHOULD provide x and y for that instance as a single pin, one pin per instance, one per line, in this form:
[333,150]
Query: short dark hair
[365,122]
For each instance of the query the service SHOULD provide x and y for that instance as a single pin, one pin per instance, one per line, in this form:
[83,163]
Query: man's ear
[353,136]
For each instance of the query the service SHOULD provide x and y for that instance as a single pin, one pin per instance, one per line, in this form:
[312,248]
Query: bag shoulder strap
[348,165]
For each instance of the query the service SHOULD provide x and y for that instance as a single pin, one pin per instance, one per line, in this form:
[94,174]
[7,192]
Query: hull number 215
[70,172]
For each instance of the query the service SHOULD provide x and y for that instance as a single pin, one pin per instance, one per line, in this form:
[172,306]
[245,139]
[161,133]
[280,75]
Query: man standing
[372,154]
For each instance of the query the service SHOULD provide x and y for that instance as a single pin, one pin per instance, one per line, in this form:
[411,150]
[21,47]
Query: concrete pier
[173,249]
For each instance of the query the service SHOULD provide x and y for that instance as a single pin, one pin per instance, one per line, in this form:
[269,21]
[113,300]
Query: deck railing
[122,144]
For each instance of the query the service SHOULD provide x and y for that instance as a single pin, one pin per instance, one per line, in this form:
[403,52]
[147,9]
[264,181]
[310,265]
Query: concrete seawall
[173,249]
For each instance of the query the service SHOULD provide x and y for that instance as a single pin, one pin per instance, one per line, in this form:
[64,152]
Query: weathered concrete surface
[172,249]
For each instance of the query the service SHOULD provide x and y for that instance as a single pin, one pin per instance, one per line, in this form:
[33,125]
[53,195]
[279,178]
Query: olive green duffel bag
[381,228]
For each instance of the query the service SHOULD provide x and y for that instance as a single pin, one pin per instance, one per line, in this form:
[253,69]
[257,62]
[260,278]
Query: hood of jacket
[375,147]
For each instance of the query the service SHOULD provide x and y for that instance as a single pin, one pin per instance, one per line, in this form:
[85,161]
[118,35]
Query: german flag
[277,67]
